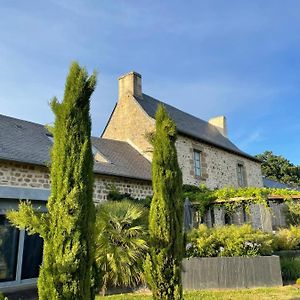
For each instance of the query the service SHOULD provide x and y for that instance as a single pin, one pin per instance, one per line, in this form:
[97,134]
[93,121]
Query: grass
[278,293]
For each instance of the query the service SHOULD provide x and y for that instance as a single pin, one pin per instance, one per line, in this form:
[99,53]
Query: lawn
[280,293]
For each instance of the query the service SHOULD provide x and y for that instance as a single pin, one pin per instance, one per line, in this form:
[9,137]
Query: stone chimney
[130,83]
[220,124]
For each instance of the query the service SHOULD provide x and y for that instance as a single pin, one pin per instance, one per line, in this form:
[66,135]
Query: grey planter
[231,272]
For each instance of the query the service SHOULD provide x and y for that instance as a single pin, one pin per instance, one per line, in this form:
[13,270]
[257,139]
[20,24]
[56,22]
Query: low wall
[231,272]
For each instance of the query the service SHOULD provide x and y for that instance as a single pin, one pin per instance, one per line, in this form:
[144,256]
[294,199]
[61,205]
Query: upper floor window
[197,162]
[241,175]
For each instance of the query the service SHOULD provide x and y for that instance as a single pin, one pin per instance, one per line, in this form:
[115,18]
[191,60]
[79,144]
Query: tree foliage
[68,226]
[278,168]
[120,243]
[163,263]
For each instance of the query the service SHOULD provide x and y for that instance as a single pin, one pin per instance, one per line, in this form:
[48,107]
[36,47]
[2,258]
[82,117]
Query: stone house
[122,157]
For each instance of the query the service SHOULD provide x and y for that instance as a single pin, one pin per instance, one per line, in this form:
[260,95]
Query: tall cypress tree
[68,226]
[163,263]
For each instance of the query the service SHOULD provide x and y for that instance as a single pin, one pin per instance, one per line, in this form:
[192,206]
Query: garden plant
[163,263]
[121,231]
[68,226]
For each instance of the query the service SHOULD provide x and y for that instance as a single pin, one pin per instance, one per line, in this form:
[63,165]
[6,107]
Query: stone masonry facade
[129,122]
[218,167]
[29,176]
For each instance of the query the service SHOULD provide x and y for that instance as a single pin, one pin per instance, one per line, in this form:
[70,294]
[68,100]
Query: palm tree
[120,243]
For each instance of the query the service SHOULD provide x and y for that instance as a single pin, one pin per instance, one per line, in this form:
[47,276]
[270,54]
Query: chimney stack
[130,83]
[220,123]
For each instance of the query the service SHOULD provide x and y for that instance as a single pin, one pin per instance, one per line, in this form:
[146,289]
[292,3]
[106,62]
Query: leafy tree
[163,263]
[68,226]
[278,168]
[120,243]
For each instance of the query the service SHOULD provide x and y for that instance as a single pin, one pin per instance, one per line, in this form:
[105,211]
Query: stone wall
[136,188]
[131,124]
[30,176]
[219,168]
[266,218]
[24,175]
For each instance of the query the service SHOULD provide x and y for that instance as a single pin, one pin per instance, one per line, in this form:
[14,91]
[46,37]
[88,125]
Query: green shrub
[2,297]
[290,268]
[298,281]
[287,238]
[229,240]
[293,212]
[115,195]
[120,243]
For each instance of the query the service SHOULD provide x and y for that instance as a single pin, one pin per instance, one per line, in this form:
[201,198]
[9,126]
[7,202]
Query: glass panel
[9,243]
[240,175]
[197,163]
[32,256]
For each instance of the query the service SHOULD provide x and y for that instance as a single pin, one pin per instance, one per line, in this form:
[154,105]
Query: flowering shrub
[287,238]
[229,240]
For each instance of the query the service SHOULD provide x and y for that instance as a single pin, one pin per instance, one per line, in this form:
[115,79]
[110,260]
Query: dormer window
[197,163]
[99,157]
[50,137]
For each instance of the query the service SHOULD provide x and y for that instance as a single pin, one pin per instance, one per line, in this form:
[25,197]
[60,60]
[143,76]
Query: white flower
[188,246]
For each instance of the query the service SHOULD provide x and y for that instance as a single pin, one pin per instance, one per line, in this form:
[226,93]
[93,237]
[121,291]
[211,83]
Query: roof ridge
[180,110]
[17,119]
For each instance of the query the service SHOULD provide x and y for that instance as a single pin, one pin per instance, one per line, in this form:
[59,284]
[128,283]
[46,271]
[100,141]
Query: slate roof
[192,126]
[270,183]
[27,142]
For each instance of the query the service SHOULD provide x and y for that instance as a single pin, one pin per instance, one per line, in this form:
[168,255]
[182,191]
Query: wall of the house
[131,124]
[29,176]
[219,168]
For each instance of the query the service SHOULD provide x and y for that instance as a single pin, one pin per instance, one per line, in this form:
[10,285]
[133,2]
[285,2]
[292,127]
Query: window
[241,175]
[32,256]
[227,218]
[245,219]
[197,162]
[212,216]
[9,243]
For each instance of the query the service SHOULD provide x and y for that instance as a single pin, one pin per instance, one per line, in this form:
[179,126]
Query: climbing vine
[231,198]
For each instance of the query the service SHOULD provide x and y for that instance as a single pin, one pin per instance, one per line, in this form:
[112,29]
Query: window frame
[241,174]
[18,281]
[199,168]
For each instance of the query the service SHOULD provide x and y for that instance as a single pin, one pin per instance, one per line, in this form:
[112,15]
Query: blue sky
[235,58]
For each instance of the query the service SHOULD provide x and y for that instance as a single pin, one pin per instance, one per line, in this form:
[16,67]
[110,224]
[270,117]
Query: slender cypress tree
[163,263]
[68,226]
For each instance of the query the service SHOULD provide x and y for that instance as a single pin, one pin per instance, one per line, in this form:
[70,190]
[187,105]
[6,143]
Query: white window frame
[7,203]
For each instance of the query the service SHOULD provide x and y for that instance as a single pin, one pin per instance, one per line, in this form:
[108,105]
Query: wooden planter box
[231,272]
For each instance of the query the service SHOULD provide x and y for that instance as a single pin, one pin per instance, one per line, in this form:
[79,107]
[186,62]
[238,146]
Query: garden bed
[231,272]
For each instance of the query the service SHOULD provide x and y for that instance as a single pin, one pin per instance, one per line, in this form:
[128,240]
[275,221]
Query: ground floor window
[9,244]
[32,256]
[20,253]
